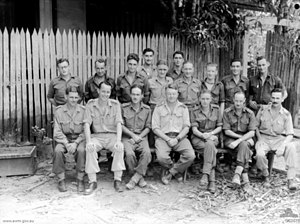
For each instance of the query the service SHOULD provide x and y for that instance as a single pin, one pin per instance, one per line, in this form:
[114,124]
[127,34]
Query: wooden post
[245,53]
[46,21]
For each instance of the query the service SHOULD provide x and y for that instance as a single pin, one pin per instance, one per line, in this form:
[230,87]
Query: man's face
[263,66]
[276,99]
[132,65]
[100,68]
[211,72]
[63,68]
[162,71]
[236,68]
[136,95]
[148,58]
[188,70]
[172,95]
[239,100]
[72,98]
[178,60]
[104,92]
[205,99]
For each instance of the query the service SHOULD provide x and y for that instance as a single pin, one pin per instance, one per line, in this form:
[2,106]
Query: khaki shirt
[153,72]
[174,75]
[239,124]
[217,92]
[69,127]
[58,86]
[230,87]
[158,90]
[167,121]
[206,123]
[136,121]
[189,93]
[103,120]
[282,124]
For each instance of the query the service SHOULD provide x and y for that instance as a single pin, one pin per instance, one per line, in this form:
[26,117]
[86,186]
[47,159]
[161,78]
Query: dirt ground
[157,203]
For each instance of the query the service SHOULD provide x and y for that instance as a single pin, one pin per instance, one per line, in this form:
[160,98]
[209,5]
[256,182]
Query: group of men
[173,111]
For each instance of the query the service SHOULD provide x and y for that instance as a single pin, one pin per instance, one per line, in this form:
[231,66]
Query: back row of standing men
[176,101]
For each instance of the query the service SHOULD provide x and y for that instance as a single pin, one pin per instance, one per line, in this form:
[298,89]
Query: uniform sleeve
[219,121]
[87,118]
[226,122]
[87,94]
[58,134]
[50,94]
[186,118]
[194,123]
[279,84]
[155,119]
[118,88]
[119,115]
[146,91]
[148,120]
[222,93]
[253,122]
[113,90]
[258,116]
[289,129]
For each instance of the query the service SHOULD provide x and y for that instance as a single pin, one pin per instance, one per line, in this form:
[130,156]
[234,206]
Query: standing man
[103,116]
[239,126]
[189,88]
[234,82]
[170,124]
[206,124]
[262,84]
[175,71]
[129,78]
[69,136]
[58,86]
[275,132]
[137,124]
[92,84]
[148,69]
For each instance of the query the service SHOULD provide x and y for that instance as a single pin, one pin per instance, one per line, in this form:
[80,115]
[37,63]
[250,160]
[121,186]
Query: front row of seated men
[104,124]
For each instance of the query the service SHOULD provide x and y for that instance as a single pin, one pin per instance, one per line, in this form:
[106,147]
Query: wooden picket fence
[28,63]
[284,64]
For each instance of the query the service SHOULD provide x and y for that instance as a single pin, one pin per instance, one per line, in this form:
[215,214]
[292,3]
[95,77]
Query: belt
[172,134]
[72,136]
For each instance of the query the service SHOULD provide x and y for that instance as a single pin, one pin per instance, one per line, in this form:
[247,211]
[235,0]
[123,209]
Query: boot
[204,180]
[142,183]
[118,186]
[133,181]
[212,187]
[236,180]
[246,183]
[91,188]
[266,182]
[292,185]
[165,179]
[80,186]
[62,186]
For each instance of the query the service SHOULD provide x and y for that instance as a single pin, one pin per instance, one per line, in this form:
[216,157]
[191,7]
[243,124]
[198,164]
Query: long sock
[92,177]
[118,175]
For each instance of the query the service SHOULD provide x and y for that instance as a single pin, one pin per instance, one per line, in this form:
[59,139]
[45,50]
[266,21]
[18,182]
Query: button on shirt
[149,74]
[189,93]
[206,123]
[261,94]
[69,126]
[136,121]
[91,88]
[239,124]
[280,125]
[168,121]
[158,89]
[230,87]
[217,92]
[58,86]
[103,120]
[123,87]
[172,73]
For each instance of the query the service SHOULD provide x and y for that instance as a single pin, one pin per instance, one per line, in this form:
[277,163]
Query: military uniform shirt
[189,93]
[158,90]
[217,92]
[153,72]
[174,75]
[69,126]
[103,120]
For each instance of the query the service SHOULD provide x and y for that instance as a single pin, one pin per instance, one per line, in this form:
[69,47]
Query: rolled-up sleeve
[58,134]
[222,93]
[186,118]
[118,114]
[194,123]
[253,122]
[226,123]
[148,121]
[88,115]
[50,94]
[155,119]
[289,129]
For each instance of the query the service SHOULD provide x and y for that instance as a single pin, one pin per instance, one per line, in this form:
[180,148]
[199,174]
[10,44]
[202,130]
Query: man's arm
[50,94]
[58,134]
[232,134]
[87,92]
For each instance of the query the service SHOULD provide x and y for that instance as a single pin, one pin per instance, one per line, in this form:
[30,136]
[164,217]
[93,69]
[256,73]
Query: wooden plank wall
[28,63]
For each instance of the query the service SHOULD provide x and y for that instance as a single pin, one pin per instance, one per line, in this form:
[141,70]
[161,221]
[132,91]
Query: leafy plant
[9,136]
[41,135]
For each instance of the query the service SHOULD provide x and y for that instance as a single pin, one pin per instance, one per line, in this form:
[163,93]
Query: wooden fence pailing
[28,63]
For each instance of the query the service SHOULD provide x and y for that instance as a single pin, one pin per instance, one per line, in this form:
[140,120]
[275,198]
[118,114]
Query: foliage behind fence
[28,63]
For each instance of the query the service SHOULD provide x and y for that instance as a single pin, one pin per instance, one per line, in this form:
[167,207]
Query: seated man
[103,115]
[137,124]
[239,126]
[69,136]
[274,121]
[206,124]
[170,124]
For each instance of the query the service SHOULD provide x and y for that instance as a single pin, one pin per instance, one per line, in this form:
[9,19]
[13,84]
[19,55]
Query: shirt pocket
[212,122]
[78,127]
[278,126]
[234,123]
[178,116]
[65,126]
[156,92]
[244,124]
[194,93]
[128,120]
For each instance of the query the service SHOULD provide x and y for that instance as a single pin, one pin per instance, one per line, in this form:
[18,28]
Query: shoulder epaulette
[126,104]
[215,106]
[228,109]
[146,106]
[114,101]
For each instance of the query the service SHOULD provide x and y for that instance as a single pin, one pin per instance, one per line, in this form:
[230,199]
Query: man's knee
[129,152]
[260,149]
[209,145]
[59,148]
[244,145]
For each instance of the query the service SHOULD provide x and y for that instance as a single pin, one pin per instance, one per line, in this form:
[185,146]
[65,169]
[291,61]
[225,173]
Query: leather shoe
[118,186]
[266,182]
[166,178]
[91,188]
[62,186]
[179,177]
[212,187]
[204,180]
[130,185]
[292,185]
[80,186]
[236,180]
[142,183]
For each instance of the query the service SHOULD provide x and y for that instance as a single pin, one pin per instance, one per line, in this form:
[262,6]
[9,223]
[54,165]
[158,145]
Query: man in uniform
[69,136]
[262,84]
[206,124]
[170,124]
[148,69]
[275,132]
[175,71]
[103,116]
[137,124]
[234,82]
[239,126]
[57,86]
[92,84]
